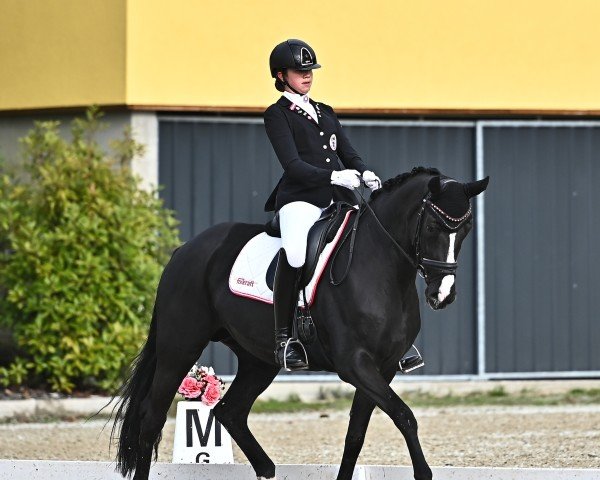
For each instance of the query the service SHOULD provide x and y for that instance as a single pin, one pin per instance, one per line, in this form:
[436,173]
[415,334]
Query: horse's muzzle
[432,296]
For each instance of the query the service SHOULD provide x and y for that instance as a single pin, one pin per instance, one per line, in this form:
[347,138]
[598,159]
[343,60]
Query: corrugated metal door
[222,169]
[541,248]
[215,170]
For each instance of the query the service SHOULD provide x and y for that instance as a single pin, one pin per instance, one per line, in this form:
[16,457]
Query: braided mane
[398,180]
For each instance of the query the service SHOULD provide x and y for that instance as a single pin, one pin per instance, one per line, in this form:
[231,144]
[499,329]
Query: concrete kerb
[54,470]
[56,407]
[307,391]
[310,391]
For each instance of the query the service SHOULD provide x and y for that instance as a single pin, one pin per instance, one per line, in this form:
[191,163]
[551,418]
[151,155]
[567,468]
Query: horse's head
[445,219]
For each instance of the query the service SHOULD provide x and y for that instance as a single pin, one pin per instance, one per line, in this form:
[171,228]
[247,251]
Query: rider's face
[300,80]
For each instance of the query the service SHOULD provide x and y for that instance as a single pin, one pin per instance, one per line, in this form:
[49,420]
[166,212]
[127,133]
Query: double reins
[352,234]
[421,264]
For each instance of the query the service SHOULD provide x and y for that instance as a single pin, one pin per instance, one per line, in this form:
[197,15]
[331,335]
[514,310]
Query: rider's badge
[333,141]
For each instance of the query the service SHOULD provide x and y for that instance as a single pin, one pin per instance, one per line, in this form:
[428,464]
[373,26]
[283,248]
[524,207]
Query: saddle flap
[321,233]
[270,276]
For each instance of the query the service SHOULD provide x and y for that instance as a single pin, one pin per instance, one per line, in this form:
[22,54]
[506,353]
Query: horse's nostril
[433,301]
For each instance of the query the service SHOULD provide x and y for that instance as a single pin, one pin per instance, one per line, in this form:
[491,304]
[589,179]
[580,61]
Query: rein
[421,264]
[352,234]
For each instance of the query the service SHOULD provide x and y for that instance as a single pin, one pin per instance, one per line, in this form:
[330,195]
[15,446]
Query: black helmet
[294,54]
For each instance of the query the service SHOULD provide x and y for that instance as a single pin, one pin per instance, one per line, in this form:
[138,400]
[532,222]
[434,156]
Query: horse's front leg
[360,371]
[360,414]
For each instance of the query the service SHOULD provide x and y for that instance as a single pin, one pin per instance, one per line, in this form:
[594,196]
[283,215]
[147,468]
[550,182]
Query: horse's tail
[131,406]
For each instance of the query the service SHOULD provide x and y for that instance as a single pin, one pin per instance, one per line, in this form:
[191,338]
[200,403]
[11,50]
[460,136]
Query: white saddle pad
[248,277]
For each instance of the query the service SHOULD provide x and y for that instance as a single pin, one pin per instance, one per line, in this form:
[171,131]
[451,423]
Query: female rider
[308,140]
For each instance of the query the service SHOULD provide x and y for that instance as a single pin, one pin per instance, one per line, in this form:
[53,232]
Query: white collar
[302,101]
[297,98]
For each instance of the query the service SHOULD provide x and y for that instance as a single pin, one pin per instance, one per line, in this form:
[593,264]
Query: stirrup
[413,361]
[285,348]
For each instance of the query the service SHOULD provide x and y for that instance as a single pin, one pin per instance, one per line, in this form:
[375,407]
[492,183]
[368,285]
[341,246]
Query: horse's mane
[398,180]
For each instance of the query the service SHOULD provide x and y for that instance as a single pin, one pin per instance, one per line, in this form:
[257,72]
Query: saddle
[253,271]
[320,234]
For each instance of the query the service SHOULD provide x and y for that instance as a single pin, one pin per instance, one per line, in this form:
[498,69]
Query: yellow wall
[394,54]
[61,53]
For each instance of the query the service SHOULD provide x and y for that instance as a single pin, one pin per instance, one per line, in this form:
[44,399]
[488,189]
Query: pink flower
[211,395]
[190,387]
[212,380]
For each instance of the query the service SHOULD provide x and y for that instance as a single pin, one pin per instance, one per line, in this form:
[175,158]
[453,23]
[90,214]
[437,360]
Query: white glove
[346,178]
[372,180]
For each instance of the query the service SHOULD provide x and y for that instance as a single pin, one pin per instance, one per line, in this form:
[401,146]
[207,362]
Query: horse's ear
[435,185]
[475,188]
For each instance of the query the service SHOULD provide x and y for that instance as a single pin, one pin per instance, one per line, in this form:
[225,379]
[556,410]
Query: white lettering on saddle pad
[248,277]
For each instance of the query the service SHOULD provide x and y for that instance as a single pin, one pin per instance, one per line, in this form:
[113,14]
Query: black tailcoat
[308,152]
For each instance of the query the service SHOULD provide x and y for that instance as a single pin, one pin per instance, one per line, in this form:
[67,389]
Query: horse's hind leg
[252,378]
[362,373]
[178,348]
[360,414]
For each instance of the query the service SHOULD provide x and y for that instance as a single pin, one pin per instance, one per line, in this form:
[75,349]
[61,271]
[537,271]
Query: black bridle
[420,263]
[451,223]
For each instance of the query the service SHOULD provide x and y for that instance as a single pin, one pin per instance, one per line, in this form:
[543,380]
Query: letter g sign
[204,460]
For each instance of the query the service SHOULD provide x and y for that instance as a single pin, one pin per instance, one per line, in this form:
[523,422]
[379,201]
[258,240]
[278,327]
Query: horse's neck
[398,212]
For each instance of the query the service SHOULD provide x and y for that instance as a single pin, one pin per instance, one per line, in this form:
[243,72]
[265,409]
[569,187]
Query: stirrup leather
[419,362]
[285,348]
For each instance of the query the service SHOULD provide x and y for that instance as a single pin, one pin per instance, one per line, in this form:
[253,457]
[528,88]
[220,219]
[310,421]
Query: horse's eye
[432,228]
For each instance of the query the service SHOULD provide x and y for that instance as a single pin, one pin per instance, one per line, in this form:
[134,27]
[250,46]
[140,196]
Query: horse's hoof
[265,478]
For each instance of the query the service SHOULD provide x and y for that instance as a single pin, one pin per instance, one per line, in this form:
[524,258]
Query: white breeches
[295,220]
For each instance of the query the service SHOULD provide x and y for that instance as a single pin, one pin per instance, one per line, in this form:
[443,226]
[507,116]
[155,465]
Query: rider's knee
[296,256]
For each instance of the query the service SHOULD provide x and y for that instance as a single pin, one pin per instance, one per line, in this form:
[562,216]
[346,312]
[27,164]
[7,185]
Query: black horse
[417,221]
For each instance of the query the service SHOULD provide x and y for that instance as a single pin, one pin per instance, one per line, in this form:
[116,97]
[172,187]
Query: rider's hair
[279,85]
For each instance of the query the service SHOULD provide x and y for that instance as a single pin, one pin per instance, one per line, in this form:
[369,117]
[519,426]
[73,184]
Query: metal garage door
[541,246]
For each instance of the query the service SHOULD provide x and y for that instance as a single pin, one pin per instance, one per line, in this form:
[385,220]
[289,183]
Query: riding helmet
[292,53]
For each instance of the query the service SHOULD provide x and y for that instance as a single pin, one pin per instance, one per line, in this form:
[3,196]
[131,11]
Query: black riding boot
[285,298]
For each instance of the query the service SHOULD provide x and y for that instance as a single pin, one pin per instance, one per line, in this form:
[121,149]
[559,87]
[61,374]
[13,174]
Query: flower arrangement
[201,382]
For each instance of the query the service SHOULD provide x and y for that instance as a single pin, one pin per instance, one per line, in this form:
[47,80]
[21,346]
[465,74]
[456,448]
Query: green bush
[81,251]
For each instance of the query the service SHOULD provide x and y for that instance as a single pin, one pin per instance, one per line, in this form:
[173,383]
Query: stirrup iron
[285,348]
[414,362]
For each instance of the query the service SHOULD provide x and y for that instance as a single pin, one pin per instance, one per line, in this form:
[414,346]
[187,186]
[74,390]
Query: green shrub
[81,251]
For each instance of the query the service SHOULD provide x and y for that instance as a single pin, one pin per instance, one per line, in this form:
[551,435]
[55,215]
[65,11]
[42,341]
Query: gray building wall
[14,127]
[144,125]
